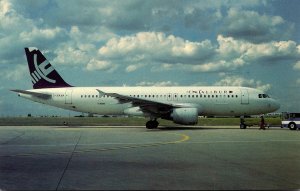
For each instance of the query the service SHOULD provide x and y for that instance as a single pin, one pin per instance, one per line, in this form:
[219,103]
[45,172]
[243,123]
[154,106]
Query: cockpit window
[263,96]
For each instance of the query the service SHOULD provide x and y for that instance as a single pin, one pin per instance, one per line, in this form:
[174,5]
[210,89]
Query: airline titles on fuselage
[209,92]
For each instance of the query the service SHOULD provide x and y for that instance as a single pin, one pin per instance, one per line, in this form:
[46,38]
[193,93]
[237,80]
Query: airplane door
[68,96]
[244,96]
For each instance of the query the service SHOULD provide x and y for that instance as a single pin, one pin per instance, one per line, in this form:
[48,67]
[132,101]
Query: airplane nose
[275,105]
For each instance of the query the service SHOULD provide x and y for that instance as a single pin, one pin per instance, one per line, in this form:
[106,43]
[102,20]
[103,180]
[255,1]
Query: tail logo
[41,71]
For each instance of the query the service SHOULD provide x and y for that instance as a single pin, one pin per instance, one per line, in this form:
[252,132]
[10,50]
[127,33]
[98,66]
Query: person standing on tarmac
[242,122]
[262,123]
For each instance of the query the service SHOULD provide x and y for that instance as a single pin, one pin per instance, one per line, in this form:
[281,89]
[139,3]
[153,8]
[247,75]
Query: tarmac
[180,158]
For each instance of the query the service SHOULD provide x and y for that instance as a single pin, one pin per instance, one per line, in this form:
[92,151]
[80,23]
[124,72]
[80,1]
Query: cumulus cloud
[171,52]
[10,19]
[133,67]
[221,65]
[37,34]
[251,52]
[198,17]
[240,81]
[18,31]
[70,55]
[15,74]
[231,54]
[101,65]
[157,47]
[297,66]
[163,83]
[253,27]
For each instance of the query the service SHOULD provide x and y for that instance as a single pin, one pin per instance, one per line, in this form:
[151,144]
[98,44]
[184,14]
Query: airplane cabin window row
[175,96]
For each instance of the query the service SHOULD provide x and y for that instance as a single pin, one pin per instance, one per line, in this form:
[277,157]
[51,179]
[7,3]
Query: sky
[152,43]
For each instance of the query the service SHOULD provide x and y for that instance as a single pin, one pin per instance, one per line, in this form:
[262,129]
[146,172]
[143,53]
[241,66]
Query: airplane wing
[36,94]
[147,106]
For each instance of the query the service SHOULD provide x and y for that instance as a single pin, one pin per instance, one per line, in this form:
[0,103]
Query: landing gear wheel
[152,124]
[243,126]
[292,126]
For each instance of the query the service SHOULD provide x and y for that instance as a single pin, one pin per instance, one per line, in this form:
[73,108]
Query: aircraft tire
[152,124]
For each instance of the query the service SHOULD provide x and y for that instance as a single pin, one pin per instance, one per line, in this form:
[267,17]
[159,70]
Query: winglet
[43,75]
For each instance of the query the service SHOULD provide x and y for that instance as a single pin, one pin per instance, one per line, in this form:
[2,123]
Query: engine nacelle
[185,116]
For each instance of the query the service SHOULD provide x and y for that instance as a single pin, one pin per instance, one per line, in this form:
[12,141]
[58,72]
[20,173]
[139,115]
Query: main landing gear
[152,124]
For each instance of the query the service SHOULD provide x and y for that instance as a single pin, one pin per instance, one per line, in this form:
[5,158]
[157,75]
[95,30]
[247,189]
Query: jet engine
[185,116]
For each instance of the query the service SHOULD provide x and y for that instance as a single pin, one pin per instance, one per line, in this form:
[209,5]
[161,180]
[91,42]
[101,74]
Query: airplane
[182,105]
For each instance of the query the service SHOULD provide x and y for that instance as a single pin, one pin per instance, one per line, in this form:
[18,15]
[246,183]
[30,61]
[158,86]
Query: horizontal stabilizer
[36,94]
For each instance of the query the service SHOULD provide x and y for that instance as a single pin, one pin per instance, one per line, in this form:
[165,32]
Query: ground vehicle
[290,120]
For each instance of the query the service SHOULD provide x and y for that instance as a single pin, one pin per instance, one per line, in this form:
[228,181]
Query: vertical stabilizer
[42,73]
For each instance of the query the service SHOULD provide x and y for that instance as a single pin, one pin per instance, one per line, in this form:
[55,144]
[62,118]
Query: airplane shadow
[175,128]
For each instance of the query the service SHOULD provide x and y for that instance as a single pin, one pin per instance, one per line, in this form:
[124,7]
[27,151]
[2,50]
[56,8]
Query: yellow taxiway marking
[184,138]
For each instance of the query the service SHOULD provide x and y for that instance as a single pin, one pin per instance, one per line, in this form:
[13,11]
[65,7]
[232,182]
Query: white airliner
[182,105]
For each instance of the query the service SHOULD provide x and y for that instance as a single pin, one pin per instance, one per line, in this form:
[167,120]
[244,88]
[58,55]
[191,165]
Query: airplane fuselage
[217,101]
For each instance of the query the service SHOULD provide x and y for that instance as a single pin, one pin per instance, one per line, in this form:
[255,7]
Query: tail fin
[43,75]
